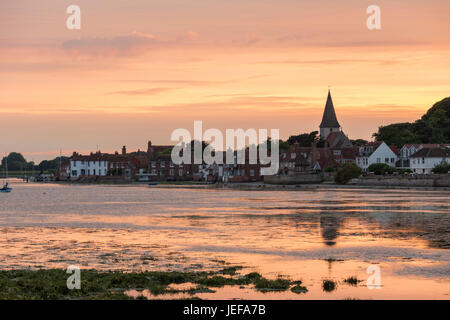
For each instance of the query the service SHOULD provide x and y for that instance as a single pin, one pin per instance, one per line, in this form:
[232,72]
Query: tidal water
[311,235]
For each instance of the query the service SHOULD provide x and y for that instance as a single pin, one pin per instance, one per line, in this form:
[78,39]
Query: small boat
[5,188]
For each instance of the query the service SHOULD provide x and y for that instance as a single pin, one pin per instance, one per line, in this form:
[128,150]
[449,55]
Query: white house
[375,152]
[91,165]
[409,149]
[424,160]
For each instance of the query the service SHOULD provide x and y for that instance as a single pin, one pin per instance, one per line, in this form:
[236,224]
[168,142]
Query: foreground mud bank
[52,284]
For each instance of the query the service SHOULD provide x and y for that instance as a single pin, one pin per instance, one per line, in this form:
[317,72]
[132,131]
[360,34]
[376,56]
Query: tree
[433,127]
[359,142]
[347,172]
[396,134]
[380,169]
[305,139]
[16,162]
[46,165]
[443,167]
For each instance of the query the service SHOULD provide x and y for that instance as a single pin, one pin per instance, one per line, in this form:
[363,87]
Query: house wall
[424,165]
[382,154]
[88,168]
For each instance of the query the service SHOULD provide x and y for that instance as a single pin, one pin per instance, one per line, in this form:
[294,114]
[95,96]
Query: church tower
[329,122]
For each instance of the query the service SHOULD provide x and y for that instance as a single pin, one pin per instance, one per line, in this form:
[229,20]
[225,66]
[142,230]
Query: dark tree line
[433,127]
[17,162]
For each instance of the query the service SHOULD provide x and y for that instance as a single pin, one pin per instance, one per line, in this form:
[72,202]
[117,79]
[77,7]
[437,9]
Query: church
[330,129]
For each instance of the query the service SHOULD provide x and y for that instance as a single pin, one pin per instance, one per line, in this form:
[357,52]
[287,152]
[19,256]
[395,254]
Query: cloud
[146,91]
[332,61]
[123,45]
[187,82]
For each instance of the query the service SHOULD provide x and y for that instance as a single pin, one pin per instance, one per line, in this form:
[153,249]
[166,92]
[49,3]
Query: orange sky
[139,69]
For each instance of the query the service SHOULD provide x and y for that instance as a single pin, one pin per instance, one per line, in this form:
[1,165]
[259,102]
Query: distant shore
[256,186]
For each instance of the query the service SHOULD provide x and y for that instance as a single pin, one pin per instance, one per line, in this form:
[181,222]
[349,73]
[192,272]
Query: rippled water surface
[310,235]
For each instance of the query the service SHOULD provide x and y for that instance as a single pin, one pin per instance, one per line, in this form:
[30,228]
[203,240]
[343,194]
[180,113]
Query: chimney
[149,146]
[124,150]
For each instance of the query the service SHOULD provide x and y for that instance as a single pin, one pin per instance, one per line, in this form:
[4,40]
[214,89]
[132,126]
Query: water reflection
[329,226]
[298,233]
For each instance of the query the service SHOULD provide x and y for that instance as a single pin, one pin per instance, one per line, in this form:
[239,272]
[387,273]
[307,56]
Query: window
[162,164]
[172,172]
[293,155]
[392,160]
[171,164]
[252,173]
[74,163]
[180,172]
[83,172]
[74,172]
[153,164]
[423,160]
[154,172]
[378,160]
[94,172]
[337,152]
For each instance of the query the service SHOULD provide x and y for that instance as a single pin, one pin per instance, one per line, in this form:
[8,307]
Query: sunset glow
[137,71]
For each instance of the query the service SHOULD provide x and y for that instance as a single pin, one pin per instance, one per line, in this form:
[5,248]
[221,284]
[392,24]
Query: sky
[137,70]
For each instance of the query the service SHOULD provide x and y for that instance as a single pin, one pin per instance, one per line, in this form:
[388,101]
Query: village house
[98,165]
[424,160]
[408,150]
[376,152]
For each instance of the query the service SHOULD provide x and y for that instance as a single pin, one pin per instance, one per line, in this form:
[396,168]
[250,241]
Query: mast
[60,152]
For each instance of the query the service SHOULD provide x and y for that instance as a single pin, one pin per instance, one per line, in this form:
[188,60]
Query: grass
[19,173]
[50,284]
[328,285]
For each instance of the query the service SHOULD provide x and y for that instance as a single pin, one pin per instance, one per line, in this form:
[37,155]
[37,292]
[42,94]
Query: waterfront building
[376,152]
[424,160]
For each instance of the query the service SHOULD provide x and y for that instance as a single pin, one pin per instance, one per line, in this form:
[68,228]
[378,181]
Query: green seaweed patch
[51,284]
[353,281]
[231,270]
[328,285]
[330,260]
[299,289]
[265,285]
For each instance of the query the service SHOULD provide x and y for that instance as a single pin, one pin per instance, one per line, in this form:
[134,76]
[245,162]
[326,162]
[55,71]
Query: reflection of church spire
[330,229]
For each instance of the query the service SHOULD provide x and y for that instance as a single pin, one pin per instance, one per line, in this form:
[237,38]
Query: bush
[443,167]
[380,169]
[329,169]
[347,172]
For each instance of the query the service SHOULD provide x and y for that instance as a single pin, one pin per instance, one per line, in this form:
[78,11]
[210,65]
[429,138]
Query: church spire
[329,119]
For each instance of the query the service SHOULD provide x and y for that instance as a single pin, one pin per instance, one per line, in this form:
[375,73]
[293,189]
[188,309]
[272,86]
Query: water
[310,235]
